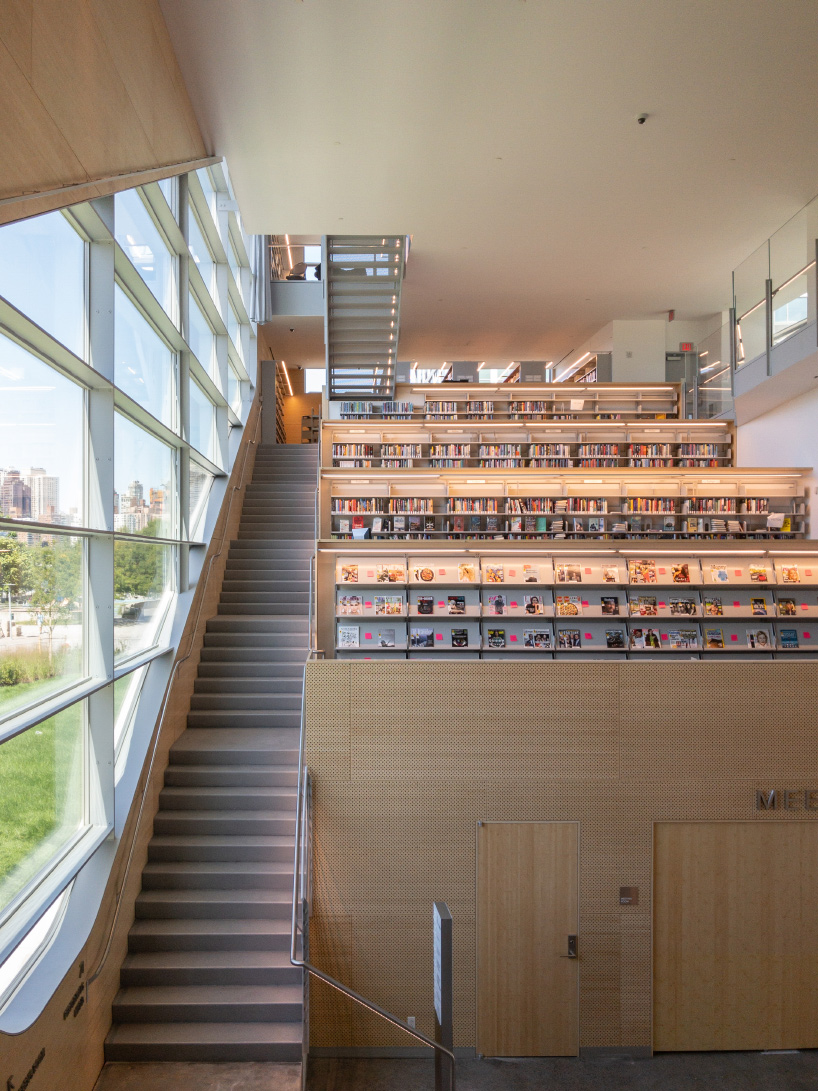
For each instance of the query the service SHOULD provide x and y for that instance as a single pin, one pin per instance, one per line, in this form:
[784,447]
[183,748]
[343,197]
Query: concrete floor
[186,1076]
[667,1072]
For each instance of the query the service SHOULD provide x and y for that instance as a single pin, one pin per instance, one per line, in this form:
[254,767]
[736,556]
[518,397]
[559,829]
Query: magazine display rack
[629,603]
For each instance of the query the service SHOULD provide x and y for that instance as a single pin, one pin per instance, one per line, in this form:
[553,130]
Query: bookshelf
[638,504]
[442,402]
[517,445]
[510,601]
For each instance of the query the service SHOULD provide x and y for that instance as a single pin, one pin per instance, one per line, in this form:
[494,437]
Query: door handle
[572,948]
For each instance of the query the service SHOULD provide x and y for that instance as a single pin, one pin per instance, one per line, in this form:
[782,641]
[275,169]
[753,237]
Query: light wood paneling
[735,936]
[91,88]
[74,1040]
[407,759]
[526,909]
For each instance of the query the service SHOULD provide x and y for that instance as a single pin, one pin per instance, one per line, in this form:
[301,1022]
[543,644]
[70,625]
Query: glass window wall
[144,366]
[200,252]
[202,421]
[42,274]
[201,338]
[144,480]
[144,585]
[148,252]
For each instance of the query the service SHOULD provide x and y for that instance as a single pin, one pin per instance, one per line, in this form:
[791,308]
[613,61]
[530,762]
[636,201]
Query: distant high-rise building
[116,502]
[134,497]
[45,494]
[15,495]
[157,502]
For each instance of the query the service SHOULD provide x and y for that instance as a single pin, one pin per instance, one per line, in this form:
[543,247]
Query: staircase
[363,276]
[208,976]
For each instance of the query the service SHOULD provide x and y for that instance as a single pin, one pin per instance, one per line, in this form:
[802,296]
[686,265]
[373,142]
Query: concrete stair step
[216,904]
[247,652]
[235,823]
[204,1042]
[243,636]
[217,934]
[217,875]
[253,702]
[212,848]
[283,623]
[230,776]
[267,718]
[152,968]
[251,605]
[269,683]
[220,1003]
[272,586]
[235,746]
[218,797]
[283,673]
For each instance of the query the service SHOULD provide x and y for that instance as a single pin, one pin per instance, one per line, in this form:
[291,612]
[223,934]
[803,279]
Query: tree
[139,570]
[55,575]
[14,565]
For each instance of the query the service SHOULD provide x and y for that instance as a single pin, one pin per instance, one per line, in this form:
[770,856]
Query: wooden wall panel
[407,757]
[90,88]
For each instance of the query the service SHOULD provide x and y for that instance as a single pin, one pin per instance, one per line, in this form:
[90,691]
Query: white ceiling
[502,135]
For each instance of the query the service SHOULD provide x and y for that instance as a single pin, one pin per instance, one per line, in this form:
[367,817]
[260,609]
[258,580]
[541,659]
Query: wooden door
[527,1004]
[735,935]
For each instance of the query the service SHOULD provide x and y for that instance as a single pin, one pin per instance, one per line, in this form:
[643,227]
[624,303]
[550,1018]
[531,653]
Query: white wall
[639,350]
[786,436]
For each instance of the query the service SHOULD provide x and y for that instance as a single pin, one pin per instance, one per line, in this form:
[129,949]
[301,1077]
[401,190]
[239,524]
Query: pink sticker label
[368,605]
[584,602]
[589,636]
[733,636]
[804,606]
[662,605]
[441,604]
[587,571]
[367,636]
[441,571]
[438,636]
[664,636]
[807,571]
[737,571]
[736,604]
[513,605]
[370,572]
[513,638]
[662,571]
[512,571]
[806,636]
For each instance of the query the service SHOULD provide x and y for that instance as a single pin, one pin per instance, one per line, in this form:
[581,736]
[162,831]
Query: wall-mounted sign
[629,895]
[788,799]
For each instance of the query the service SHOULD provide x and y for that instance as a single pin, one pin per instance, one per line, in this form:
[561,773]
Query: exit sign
[685,346]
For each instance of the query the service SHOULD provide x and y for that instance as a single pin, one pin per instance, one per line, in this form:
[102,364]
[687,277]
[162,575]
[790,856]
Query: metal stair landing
[207,976]
[363,277]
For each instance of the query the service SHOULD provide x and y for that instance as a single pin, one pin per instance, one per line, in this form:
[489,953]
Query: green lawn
[40,796]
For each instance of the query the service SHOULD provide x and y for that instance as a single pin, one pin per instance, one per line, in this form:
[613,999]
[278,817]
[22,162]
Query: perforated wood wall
[407,757]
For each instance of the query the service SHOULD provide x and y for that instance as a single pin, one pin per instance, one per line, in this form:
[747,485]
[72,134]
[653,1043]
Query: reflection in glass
[234,391]
[169,188]
[203,174]
[42,274]
[235,267]
[200,482]
[126,696]
[234,328]
[144,481]
[200,252]
[41,617]
[201,338]
[139,237]
[202,421]
[143,363]
[41,444]
[42,807]
[143,588]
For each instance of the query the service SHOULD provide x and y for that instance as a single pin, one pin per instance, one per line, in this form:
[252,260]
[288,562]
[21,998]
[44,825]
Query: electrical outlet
[410,1019]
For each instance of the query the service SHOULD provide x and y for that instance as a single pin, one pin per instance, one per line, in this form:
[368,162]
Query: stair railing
[153,745]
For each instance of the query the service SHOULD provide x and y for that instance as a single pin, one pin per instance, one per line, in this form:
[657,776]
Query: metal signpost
[442,919]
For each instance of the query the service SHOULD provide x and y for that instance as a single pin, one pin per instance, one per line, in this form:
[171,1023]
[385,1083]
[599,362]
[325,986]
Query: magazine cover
[537,638]
[645,606]
[348,636]
[460,638]
[789,573]
[713,607]
[610,573]
[642,571]
[531,573]
[425,574]
[610,604]
[388,604]
[683,607]
[713,638]
[497,638]
[681,572]
[568,573]
[788,638]
[467,573]
[758,573]
[568,638]
[386,638]
[493,573]
[567,606]
[614,638]
[718,573]
[426,604]
[760,639]
[758,607]
[351,604]
[421,638]
[389,573]
[456,604]
[349,573]
[786,607]
[683,639]
[497,604]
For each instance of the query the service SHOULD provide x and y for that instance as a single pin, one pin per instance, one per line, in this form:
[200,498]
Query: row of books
[634,638]
[538,449]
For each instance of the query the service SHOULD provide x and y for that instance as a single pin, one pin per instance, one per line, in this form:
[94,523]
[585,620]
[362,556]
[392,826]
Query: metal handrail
[301,877]
[157,731]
